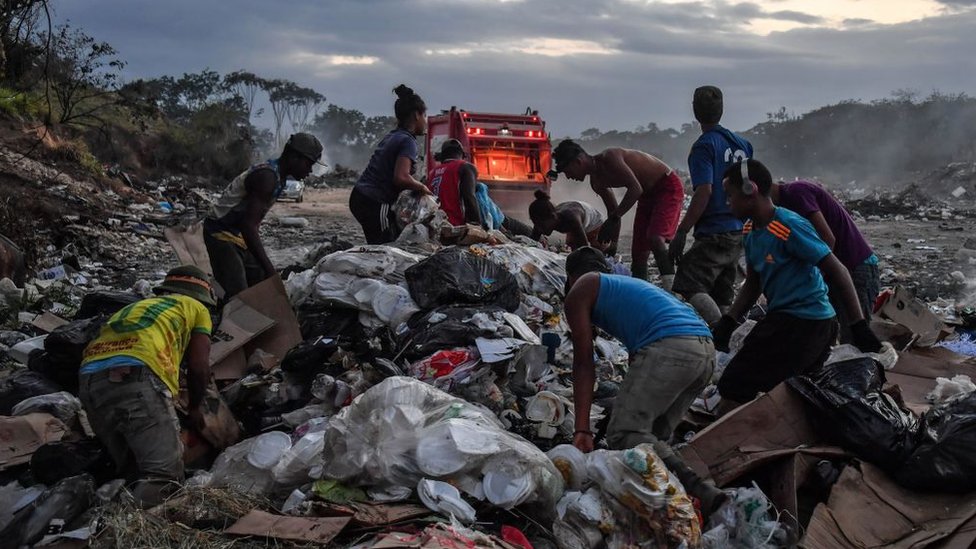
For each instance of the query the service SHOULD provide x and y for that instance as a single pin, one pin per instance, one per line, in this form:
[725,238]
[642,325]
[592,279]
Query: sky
[606,64]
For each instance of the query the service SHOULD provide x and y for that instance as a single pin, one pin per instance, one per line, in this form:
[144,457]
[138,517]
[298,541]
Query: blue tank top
[639,313]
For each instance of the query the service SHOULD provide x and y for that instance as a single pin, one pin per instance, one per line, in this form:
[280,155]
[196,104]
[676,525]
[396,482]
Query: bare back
[646,168]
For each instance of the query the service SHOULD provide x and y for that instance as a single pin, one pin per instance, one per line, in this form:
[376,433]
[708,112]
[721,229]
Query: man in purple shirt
[836,227]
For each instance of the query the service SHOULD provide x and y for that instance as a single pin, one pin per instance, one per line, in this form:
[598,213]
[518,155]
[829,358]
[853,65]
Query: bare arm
[260,187]
[579,305]
[620,172]
[699,202]
[402,178]
[820,224]
[575,222]
[748,294]
[198,368]
[839,281]
[472,212]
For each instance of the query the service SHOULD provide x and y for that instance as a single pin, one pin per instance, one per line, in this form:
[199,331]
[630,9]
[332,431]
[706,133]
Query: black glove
[722,332]
[677,247]
[610,230]
[864,339]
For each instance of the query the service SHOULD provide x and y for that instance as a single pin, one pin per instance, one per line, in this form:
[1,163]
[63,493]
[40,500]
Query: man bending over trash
[230,230]
[671,361]
[837,229]
[130,374]
[650,183]
[784,262]
[462,197]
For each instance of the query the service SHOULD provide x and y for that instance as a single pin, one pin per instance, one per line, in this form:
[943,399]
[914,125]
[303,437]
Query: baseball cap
[306,145]
[188,280]
[567,151]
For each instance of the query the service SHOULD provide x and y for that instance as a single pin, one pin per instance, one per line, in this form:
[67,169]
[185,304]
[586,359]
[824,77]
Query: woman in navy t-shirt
[390,170]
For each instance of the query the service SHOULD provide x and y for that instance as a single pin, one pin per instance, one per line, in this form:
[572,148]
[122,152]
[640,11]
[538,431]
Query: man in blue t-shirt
[671,361]
[787,262]
[706,274]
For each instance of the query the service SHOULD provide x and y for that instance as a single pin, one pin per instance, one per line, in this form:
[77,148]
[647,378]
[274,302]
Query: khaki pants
[663,381]
[138,425]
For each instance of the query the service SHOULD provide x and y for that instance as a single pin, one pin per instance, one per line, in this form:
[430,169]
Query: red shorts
[658,213]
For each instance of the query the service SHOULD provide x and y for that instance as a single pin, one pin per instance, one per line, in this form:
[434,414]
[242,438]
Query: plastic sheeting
[403,430]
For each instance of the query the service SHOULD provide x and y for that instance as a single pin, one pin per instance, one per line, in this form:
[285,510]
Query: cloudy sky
[610,64]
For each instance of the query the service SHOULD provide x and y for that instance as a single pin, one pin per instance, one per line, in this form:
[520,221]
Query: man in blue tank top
[671,361]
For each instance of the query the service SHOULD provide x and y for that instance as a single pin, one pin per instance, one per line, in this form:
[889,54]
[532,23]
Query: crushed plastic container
[268,449]
[445,499]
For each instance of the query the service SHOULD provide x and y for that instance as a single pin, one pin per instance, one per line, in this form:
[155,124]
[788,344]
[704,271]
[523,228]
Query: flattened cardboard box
[21,436]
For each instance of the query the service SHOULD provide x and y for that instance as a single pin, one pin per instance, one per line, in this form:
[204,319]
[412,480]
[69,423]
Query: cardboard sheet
[308,529]
[867,509]
[21,436]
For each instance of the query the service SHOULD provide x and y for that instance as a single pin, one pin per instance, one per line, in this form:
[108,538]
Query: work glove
[863,338]
[722,332]
[610,230]
[677,247]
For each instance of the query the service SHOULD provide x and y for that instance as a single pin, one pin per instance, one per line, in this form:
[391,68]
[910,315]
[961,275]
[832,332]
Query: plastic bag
[65,501]
[104,303]
[944,459]
[451,327]
[491,214]
[539,272]
[855,411]
[386,263]
[744,522]
[62,405]
[947,389]
[403,430]
[454,276]
[65,347]
[21,386]
[58,460]
[414,207]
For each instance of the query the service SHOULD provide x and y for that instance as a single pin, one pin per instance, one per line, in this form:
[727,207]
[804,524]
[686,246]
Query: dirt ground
[918,253]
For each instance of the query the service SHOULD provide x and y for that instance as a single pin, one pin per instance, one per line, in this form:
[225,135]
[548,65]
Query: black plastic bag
[65,501]
[857,414]
[22,385]
[456,276]
[64,350]
[456,329]
[104,303]
[326,320]
[310,356]
[55,461]
[944,459]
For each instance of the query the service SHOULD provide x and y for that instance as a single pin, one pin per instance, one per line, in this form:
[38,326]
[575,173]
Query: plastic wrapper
[943,459]
[386,263]
[963,345]
[744,522]
[232,469]
[947,389]
[300,286]
[630,499]
[62,405]
[302,462]
[414,207]
[441,368]
[539,272]
[403,430]
[491,214]
[854,411]
[456,276]
[445,499]
[887,358]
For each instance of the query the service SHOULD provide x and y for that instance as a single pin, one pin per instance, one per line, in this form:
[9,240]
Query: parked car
[294,190]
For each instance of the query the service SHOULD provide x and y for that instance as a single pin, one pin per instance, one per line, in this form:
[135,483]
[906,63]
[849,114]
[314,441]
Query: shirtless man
[650,183]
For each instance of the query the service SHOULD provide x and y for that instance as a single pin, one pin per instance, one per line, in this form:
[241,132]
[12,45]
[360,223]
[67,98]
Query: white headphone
[748,187]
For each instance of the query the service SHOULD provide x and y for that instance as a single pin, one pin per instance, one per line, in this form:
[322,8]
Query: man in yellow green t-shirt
[130,375]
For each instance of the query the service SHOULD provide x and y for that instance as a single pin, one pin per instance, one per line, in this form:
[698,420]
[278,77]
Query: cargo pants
[136,421]
[662,382]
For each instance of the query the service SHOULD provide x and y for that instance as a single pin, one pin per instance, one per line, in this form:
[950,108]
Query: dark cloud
[583,63]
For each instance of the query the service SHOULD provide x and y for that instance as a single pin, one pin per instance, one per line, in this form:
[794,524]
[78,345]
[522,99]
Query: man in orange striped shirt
[788,263]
